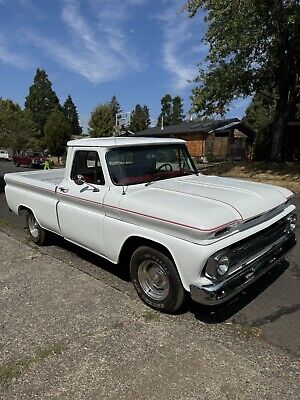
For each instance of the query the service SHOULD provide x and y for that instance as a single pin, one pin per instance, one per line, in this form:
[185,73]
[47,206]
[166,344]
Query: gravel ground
[65,335]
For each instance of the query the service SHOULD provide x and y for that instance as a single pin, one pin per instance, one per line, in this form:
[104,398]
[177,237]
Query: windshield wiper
[157,178]
[190,172]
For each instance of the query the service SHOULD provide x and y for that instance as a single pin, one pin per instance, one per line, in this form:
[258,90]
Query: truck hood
[200,204]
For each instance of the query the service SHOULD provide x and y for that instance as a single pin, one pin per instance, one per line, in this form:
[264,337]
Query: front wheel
[36,232]
[156,280]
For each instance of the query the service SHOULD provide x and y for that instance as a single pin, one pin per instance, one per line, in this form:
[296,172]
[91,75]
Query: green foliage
[115,107]
[103,118]
[260,112]
[101,121]
[147,116]
[259,115]
[57,133]
[41,100]
[171,111]
[71,114]
[166,111]
[177,111]
[253,47]
[139,119]
[16,126]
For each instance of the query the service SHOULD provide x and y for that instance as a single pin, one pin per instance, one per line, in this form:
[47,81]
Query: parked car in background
[30,158]
[4,155]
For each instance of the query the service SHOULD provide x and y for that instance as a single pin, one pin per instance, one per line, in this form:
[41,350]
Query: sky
[138,50]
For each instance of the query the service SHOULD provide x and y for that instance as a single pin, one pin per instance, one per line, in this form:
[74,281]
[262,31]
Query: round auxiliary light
[222,265]
[293,222]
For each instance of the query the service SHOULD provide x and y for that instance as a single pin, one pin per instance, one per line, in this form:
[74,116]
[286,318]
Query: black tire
[36,232]
[156,280]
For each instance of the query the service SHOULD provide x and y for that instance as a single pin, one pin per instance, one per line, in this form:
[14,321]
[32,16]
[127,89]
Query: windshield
[142,164]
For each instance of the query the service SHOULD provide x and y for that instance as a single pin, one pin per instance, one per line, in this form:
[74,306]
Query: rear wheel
[36,232]
[156,280]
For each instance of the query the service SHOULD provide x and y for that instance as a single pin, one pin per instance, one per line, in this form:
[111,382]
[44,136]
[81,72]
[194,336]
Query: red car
[29,158]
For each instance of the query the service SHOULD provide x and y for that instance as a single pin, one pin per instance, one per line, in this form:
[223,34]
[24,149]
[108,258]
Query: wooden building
[210,139]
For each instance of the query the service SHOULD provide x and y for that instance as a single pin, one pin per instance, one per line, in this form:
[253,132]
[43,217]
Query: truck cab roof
[121,141]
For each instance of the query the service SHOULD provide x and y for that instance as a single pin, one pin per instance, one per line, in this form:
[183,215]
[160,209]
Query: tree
[41,100]
[101,122]
[147,116]
[177,111]
[115,107]
[253,49]
[71,114]
[57,133]
[260,112]
[166,111]
[259,115]
[139,119]
[16,126]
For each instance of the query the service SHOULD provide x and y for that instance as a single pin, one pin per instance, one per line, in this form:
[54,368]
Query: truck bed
[35,190]
[48,180]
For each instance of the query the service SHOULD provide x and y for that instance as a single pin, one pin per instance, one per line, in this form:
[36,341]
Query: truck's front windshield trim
[132,165]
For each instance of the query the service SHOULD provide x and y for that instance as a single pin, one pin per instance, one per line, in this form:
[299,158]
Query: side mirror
[79,180]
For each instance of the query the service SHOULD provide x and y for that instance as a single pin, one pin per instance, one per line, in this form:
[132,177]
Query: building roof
[121,141]
[199,126]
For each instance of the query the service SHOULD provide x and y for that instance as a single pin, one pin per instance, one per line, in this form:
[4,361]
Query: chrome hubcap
[153,280]
[33,226]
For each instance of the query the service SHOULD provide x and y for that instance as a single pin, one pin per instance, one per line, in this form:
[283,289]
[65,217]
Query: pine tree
[177,111]
[147,116]
[115,108]
[139,119]
[41,100]
[57,133]
[71,114]
[166,111]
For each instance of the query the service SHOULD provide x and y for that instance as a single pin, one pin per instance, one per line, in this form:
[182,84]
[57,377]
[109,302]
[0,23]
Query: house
[210,139]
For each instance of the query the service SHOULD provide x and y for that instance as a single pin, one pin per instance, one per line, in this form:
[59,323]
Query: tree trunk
[280,124]
[287,82]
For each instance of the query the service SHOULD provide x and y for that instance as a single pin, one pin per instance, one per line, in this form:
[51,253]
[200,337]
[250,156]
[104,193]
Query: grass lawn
[286,175]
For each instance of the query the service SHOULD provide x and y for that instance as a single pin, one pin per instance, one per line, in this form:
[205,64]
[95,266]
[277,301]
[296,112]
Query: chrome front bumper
[219,292]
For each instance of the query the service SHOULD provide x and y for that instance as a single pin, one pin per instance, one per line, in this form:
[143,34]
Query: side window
[87,164]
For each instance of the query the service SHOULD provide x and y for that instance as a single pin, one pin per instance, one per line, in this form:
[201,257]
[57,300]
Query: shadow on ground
[221,313]
[207,314]
[2,184]
[120,271]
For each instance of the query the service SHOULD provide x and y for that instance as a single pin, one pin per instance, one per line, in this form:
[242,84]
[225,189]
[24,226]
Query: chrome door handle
[63,190]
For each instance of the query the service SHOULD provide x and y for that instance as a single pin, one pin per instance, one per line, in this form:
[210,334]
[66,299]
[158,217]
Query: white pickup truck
[141,202]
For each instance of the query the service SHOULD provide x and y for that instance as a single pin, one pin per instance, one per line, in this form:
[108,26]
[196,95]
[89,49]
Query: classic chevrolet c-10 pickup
[141,203]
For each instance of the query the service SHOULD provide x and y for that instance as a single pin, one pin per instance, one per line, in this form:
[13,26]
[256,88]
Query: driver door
[80,207]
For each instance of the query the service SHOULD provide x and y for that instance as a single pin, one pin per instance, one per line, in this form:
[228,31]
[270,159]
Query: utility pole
[162,123]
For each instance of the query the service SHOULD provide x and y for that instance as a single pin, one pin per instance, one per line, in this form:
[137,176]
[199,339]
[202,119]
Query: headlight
[217,265]
[292,221]
[222,265]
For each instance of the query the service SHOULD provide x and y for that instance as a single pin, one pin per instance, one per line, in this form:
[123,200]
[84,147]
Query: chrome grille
[257,242]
